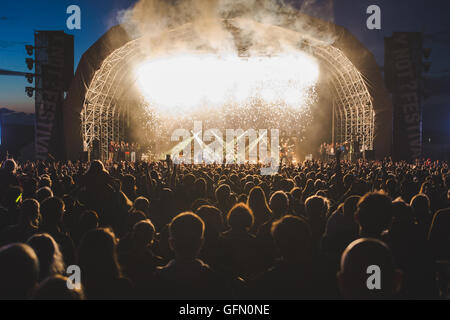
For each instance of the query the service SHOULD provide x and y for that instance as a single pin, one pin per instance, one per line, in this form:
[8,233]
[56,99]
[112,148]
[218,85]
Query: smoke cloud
[226,26]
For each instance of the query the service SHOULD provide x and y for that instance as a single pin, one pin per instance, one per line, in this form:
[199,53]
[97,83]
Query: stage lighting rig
[29,77]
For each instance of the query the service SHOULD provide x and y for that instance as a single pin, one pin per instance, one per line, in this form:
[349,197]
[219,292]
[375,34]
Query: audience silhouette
[162,230]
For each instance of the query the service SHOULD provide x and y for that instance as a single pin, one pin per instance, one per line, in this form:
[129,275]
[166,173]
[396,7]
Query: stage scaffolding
[104,115]
[105,112]
[353,112]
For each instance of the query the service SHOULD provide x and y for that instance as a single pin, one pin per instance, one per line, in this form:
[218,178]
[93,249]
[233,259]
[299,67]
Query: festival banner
[54,71]
[403,61]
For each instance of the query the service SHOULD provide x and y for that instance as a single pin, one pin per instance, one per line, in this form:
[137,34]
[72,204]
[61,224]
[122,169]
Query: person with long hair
[239,245]
[50,258]
[101,275]
[52,210]
[99,191]
[257,202]
[19,271]
[137,258]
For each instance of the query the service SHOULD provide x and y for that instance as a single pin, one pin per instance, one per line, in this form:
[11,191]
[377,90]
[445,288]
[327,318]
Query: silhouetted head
[52,210]
[257,198]
[10,165]
[367,271]
[44,193]
[129,184]
[248,186]
[240,217]
[97,256]
[426,187]
[167,196]
[55,288]
[292,236]
[296,193]
[44,181]
[186,235]
[316,208]
[96,168]
[212,217]
[420,205]
[143,233]
[29,187]
[142,204]
[279,203]
[309,186]
[223,193]
[350,206]
[198,203]
[67,182]
[242,198]
[391,186]
[19,271]
[50,257]
[30,212]
[401,213]
[348,180]
[287,185]
[188,180]
[89,220]
[134,217]
[439,235]
[200,187]
[373,214]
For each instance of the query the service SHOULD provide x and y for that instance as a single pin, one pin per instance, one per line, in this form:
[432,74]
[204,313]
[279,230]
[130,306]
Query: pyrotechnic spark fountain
[228,91]
[183,84]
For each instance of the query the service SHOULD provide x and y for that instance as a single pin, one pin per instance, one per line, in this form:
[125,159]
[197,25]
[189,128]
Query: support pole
[332,126]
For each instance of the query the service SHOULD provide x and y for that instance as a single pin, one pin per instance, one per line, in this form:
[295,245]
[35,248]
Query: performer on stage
[111,151]
[122,151]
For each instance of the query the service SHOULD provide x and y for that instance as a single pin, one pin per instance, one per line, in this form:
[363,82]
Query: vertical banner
[54,71]
[403,74]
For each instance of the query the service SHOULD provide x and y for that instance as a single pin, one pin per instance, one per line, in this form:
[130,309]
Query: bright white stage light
[186,83]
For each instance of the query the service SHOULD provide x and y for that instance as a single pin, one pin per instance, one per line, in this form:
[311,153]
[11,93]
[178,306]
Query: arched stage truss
[103,118]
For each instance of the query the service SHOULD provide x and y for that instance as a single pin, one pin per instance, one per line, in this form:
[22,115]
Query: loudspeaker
[369,154]
[95,155]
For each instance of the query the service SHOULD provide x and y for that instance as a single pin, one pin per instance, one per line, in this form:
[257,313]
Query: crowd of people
[124,151]
[159,230]
[349,150]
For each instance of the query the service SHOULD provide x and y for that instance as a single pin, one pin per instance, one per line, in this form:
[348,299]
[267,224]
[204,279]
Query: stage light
[185,83]
[29,91]
[30,63]
[29,49]
[29,77]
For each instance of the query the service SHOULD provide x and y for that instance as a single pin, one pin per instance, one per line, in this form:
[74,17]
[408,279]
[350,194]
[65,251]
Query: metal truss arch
[103,113]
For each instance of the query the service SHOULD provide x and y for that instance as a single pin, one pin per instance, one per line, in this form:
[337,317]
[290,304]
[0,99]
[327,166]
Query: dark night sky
[19,18]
